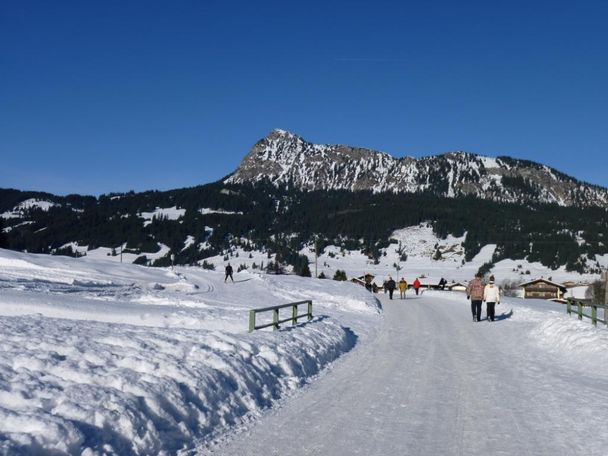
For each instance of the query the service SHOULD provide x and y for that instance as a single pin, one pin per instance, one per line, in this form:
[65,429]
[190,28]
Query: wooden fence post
[294,315]
[594,315]
[579,306]
[251,320]
[275,319]
[569,306]
[309,310]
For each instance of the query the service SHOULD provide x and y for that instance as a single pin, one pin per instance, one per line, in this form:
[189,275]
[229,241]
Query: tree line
[283,220]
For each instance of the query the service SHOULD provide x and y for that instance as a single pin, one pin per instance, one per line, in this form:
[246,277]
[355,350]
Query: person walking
[416,285]
[228,273]
[475,293]
[491,296]
[402,287]
[390,286]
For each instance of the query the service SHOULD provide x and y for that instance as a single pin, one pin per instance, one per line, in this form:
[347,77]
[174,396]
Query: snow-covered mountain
[287,159]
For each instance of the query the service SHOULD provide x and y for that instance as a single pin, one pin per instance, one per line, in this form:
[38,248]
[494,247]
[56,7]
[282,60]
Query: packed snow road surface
[434,382]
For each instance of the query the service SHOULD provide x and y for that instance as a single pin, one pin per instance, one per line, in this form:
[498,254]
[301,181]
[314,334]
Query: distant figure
[475,291]
[384,286]
[491,296]
[368,282]
[416,285]
[228,273]
[390,286]
[442,283]
[402,287]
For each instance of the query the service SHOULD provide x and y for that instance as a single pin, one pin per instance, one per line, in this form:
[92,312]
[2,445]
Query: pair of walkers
[390,285]
[478,293]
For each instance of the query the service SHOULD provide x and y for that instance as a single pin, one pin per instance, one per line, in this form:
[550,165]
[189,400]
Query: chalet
[457,286]
[367,281]
[358,281]
[543,289]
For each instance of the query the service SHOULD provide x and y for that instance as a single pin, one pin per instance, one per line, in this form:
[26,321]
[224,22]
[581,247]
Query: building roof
[558,285]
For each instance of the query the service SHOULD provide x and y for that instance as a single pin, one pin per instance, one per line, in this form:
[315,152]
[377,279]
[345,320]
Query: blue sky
[103,96]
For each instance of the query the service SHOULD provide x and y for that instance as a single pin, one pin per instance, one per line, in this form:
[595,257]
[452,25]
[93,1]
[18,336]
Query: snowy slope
[419,245]
[98,357]
[287,159]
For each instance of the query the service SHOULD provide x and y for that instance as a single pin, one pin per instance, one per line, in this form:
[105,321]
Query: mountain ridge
[284,158]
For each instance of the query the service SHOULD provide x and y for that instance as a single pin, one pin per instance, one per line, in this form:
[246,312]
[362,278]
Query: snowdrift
[102,358]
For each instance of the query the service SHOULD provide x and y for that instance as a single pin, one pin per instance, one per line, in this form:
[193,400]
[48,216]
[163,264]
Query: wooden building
[457,286]
[543,289]
[367,281]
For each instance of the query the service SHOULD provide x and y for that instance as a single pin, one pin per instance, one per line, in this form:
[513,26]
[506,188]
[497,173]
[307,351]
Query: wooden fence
[580,307]
[276,321]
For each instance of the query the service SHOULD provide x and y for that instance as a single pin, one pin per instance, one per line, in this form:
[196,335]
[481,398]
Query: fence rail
[579,311]
[276,321]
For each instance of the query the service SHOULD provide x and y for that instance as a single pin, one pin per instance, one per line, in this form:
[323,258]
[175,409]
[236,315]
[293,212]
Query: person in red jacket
[416,285]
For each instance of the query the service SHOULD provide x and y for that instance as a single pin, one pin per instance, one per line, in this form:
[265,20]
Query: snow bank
[98,357]
[577,340]
[70,387]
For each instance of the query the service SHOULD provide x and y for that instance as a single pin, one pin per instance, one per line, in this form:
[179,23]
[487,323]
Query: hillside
[263,224]
[289,195]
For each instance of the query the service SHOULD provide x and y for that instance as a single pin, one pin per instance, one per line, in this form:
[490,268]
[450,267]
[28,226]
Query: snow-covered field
[98,357]
[412,255]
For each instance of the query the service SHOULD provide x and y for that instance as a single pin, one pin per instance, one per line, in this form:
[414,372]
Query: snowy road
[435,383]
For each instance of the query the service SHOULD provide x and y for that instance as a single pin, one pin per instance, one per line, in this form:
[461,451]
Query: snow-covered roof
[559,285]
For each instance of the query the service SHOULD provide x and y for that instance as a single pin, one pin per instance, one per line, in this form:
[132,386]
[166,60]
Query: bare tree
[596,292]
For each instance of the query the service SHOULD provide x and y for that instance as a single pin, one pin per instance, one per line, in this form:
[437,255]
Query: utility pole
[316,255]
[605,280]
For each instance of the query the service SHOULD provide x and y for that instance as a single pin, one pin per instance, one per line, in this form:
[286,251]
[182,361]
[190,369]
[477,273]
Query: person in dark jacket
[390,286]
[228,273]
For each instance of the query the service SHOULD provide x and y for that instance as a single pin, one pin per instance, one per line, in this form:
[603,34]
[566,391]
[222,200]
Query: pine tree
[340,275]
[3,237]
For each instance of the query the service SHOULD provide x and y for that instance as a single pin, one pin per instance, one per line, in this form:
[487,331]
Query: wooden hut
[367,281]
[457,286]
[543,289]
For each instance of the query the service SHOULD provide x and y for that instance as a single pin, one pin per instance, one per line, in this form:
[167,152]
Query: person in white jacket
[491,296]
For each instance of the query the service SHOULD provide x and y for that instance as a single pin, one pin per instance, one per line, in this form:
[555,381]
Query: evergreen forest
[283,220]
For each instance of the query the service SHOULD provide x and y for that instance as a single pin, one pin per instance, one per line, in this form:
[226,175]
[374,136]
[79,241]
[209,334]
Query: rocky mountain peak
[283,157]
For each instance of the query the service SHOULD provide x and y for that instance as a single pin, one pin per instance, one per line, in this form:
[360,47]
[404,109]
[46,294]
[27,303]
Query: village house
[543,289]
[367,281]
[457,286]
